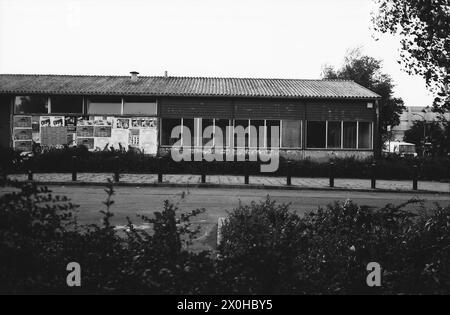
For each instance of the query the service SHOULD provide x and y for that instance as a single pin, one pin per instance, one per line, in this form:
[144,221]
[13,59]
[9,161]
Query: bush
[265,249]
[60,160]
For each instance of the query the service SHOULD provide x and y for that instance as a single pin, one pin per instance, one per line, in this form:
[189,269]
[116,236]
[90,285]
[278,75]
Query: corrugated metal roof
[182,86]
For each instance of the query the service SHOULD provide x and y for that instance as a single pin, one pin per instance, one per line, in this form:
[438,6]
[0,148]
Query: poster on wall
[37,137]
[35,124]
[87,142]
[84,121]
[148,141]
[57,121]
[143,122]
[23,134]
[23,145]
[102,131]
[134,138]
[103,121]
[53,136]
[101,143]
[85,131]
[45,121]
[71,139]
[22,122]
[122,123]
[119,138]
[70,122]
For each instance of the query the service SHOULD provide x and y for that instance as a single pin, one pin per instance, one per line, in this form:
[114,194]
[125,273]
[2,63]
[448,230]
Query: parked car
[403,149]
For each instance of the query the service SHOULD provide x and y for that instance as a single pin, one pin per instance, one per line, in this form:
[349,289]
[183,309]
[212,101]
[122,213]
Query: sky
[211,38]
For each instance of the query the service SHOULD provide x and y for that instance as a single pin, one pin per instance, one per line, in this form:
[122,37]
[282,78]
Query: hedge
[266,248]
[60,160]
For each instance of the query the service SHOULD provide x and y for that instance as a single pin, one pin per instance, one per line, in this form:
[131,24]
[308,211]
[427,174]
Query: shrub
[266,249]
[60,160]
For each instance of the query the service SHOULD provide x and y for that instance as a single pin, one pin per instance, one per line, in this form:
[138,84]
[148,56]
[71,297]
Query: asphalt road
[130,201]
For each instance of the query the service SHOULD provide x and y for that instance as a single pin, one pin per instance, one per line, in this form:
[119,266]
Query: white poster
[101,142]
[148,141]
[119,136]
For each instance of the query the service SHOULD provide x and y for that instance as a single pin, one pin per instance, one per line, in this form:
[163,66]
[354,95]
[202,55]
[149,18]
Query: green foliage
[55,161]
[431,132]
[367,71]
[424,30]
[265,249]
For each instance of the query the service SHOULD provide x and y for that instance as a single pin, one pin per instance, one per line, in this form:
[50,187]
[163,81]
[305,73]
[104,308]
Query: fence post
[203,171]
[415,176]
[289,173]
[74,168]
[373,176]
[160,172]
[116,169]
[332,165]
[246,177]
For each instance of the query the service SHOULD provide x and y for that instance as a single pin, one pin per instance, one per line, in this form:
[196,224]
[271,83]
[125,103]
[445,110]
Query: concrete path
[238,181]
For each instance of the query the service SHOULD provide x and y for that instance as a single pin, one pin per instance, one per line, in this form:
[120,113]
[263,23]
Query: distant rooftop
[182,86]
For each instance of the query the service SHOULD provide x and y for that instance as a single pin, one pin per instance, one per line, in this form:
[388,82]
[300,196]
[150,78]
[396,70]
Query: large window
[334,135]
[139,106]
[167,125]
[66,104]
[207,123]
[257,140]
[349,135]
[222,124]
[364,135]
[241,135]
[291,134]
[31,105]
[105,106]
[271,138]
[316,134]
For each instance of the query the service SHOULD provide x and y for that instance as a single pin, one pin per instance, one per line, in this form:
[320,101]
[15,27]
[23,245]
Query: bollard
[246,175]
[30,175]
[116,169]
[160,172]
[332,165]
[289,173]
[74,168]
[373,176]
[203,171]
[415,177]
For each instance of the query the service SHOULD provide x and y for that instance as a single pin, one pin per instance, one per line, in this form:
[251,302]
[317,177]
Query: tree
[428,132]
[366,71]
[424,30]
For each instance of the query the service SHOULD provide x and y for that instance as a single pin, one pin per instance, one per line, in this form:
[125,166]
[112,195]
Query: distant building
[412,114]
[317,119]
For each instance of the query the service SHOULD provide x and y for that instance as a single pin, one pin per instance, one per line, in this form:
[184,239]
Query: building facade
[317,119]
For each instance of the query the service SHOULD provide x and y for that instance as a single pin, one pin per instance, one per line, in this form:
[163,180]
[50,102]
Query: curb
[238,186]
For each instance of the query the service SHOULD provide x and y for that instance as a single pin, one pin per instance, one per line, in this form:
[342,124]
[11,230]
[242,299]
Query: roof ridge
[162,76]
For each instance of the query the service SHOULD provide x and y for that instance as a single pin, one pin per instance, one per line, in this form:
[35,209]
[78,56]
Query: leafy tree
[366,71]
[424,30]
[432,132]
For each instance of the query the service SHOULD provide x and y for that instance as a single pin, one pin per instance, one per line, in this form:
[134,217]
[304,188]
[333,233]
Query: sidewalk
[257,182]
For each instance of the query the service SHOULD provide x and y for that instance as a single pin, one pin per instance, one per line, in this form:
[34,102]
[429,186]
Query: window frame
[281,135]
[31,113]
[342,148]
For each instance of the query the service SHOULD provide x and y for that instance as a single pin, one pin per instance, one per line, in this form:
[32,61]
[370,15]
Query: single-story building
[316,118]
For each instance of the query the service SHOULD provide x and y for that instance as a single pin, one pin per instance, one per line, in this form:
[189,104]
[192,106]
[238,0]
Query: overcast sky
[221,38]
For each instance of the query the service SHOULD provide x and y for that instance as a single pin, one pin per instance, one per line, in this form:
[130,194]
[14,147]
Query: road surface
[130,201]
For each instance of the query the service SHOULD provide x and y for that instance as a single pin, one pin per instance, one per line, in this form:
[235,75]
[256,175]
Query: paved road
[132,200]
